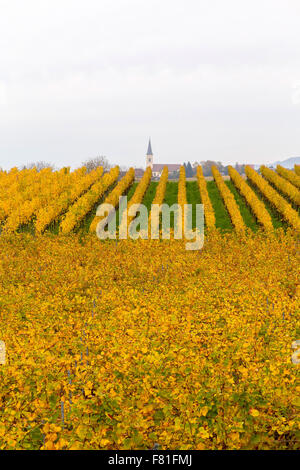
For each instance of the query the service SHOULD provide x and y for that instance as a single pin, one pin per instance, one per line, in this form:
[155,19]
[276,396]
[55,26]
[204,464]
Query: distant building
[139,172]
[149,156]
[157,168]
[121,174]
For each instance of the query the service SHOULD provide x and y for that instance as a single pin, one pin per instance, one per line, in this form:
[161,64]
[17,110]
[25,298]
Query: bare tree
[38,165]
[93,163]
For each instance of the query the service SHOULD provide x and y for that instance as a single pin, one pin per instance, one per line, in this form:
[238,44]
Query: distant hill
[289,163]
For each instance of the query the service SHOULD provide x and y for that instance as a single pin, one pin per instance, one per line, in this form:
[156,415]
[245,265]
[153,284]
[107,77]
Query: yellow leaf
[49,446]
[203,433]
[76,446]
[204,411]
[81,431]
[2,429]
[177,424]
[104,442]
[62,443]
[200,446]
[234,436]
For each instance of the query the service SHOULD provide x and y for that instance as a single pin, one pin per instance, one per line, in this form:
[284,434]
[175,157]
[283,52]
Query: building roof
[149,151]
[171,166]
[138,172]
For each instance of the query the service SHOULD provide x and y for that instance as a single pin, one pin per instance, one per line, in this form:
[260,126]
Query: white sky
[206,79]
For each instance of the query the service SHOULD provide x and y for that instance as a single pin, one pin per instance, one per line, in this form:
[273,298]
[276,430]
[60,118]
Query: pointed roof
[149,151]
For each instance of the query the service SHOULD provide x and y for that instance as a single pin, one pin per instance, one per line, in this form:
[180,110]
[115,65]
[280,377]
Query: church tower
[149,156]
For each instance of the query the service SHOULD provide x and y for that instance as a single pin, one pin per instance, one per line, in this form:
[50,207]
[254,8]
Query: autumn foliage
[120,346]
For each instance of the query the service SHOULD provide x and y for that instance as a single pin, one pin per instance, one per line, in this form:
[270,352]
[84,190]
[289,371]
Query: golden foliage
[181,196]
[159,198]
[137,197]
[44,187]
[86,202]
[161,187]
[289,175]
[282,184]
[79,183]
[114,195]
[257,207]
[283,207]
[209,213]
[229,201]
[120,347]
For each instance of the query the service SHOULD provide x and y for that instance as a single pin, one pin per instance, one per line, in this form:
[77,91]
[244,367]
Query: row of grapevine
[297,169]
[46,186]
[160,190]
[209,213]
[255,204]
[229,201]
[161,187]
[12,179]
[18,187]
[113,197]
[138,195]
[289,175]
[282,184]
[2,176]
[86,202]
[182,193]
[283,207]
[81,182]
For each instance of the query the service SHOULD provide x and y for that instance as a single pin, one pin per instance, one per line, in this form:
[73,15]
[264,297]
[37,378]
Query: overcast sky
[206,79]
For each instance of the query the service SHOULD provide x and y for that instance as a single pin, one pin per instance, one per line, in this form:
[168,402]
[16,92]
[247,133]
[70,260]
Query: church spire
[149,156]
[149,151]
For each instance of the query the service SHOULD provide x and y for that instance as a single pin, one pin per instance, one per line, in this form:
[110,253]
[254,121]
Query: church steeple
[149,156]
[149,151]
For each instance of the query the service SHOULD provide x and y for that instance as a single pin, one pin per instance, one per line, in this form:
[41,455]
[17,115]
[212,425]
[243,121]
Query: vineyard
[65,202]
[124,344]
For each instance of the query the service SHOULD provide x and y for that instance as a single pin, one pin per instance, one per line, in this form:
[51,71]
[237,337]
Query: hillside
[288,163]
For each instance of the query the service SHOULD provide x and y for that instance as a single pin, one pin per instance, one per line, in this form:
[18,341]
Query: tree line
[191,171]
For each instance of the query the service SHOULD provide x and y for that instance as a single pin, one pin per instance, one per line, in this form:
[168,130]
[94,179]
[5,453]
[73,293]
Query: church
[157,168]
